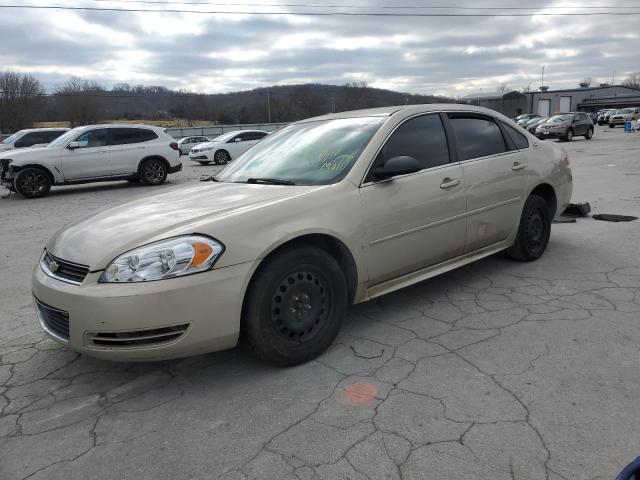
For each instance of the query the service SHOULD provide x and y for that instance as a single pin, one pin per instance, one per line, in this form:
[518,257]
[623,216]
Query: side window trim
[364,182]
[508,139]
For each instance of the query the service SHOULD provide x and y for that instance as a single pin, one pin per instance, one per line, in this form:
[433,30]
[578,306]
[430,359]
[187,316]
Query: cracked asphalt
[499,370]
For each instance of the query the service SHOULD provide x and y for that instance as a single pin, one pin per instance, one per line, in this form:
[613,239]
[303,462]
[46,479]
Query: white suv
[31,137]
[95,153]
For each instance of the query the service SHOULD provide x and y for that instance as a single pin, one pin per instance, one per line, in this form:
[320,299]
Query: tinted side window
[517,140]
[476,136]
[147,135]
[124,136]
[422,138]
[49,137]
[29,139]
[93,138]
[259,135]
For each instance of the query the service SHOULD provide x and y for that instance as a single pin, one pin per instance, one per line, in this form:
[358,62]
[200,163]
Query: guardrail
[215,130]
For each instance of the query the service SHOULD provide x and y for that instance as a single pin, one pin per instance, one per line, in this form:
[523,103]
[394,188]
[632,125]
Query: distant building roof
[588,89]
[490,95]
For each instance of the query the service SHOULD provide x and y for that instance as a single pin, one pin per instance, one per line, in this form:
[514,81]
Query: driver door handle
[448,183]
[518,166]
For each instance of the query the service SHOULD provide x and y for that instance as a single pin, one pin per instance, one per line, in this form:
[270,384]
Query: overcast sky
[225,52]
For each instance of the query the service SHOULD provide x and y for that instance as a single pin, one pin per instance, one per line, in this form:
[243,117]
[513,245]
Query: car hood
[4,148]
[99,238]
[206,144]
[26,155]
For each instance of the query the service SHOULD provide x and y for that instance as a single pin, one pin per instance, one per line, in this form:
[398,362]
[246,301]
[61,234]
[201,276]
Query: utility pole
[333,104]
[269,104]
[542,80]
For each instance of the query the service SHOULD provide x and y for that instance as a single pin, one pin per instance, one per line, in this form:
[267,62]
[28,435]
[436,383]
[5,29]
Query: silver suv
[566,126]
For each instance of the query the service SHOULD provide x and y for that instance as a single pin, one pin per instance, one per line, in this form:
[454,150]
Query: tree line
[24,101]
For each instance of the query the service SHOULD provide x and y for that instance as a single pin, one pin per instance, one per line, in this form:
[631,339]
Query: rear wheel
[221,157]
[295,306]
[153,172]
[533,232]
[589,134]
[32,182]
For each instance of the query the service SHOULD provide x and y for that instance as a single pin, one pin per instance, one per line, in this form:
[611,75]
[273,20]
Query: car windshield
[560,119]
[62,140]
[11,138]
[310,153]
[626,110]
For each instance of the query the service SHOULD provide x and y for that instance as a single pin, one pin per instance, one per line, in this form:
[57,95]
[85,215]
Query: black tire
[533,231]
[611,125]
[221,157]
[589,134]
[204,163]
[569,136]
[133,180]
[295,306]
[32,182]
[153,172]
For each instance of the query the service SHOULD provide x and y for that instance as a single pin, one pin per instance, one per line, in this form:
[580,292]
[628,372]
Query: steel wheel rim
[154,172]
[33,183]
[300,306]
[535,231]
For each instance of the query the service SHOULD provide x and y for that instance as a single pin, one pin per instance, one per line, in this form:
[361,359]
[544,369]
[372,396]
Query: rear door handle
[518,166]
[448,183]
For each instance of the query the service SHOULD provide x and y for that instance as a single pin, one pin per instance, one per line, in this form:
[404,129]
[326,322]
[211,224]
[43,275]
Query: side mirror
[73,145]
[238,140]
[395,166]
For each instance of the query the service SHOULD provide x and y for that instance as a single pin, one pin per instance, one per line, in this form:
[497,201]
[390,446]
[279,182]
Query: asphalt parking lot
[499,370]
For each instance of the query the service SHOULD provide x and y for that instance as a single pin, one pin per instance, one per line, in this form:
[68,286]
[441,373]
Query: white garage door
[565,104]
[544,106]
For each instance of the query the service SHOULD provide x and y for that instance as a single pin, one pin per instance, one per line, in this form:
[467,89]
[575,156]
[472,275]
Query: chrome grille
[136,338]
[64,270]
[53,320]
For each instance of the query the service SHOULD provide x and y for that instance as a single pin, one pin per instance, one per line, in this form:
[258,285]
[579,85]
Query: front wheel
[32,183]
[534,230]
[295,306]
[569,136]
[589,134]
[611,125]
[221,157]
[153,172]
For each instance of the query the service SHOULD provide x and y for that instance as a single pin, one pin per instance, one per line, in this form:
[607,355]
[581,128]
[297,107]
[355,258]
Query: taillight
[174,145]
[565,157]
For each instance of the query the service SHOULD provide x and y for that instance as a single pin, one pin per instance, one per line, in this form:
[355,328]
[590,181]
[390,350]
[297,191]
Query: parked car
[624,115]
[566,126]
[594,117]
[95,153]
[603,119]
[31,137]
[526,118]
[187,143]
[228,146]
[531,126]
[323,213]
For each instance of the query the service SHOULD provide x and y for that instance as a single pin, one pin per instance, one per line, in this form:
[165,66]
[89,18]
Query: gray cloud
[211,53]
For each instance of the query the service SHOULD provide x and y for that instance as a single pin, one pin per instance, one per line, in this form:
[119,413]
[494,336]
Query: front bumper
[545,134]
[617,121]
[176,168]
[200,157]
[208,303]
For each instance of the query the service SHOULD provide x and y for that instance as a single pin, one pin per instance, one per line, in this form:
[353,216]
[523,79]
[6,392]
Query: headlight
[206,149]
[174,257]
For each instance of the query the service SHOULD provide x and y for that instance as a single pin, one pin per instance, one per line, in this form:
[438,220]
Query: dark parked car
[603,118]
[565,126]
[594,117]
[533,124]
[526,117]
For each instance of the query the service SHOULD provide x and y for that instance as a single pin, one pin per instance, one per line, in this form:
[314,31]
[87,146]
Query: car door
[239,144]
[495,176]
[126,150]
[414,220]
[89,158]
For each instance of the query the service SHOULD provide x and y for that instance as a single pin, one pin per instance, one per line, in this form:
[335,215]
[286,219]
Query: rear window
[476,136]
[147,135]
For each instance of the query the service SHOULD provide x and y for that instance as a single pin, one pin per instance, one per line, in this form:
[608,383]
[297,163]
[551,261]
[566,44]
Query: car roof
[48,129]
[408,109]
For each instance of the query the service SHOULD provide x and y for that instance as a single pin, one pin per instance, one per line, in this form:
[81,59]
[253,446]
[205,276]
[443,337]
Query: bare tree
[21,98]
[632,80]
[80,101]
[503,88]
